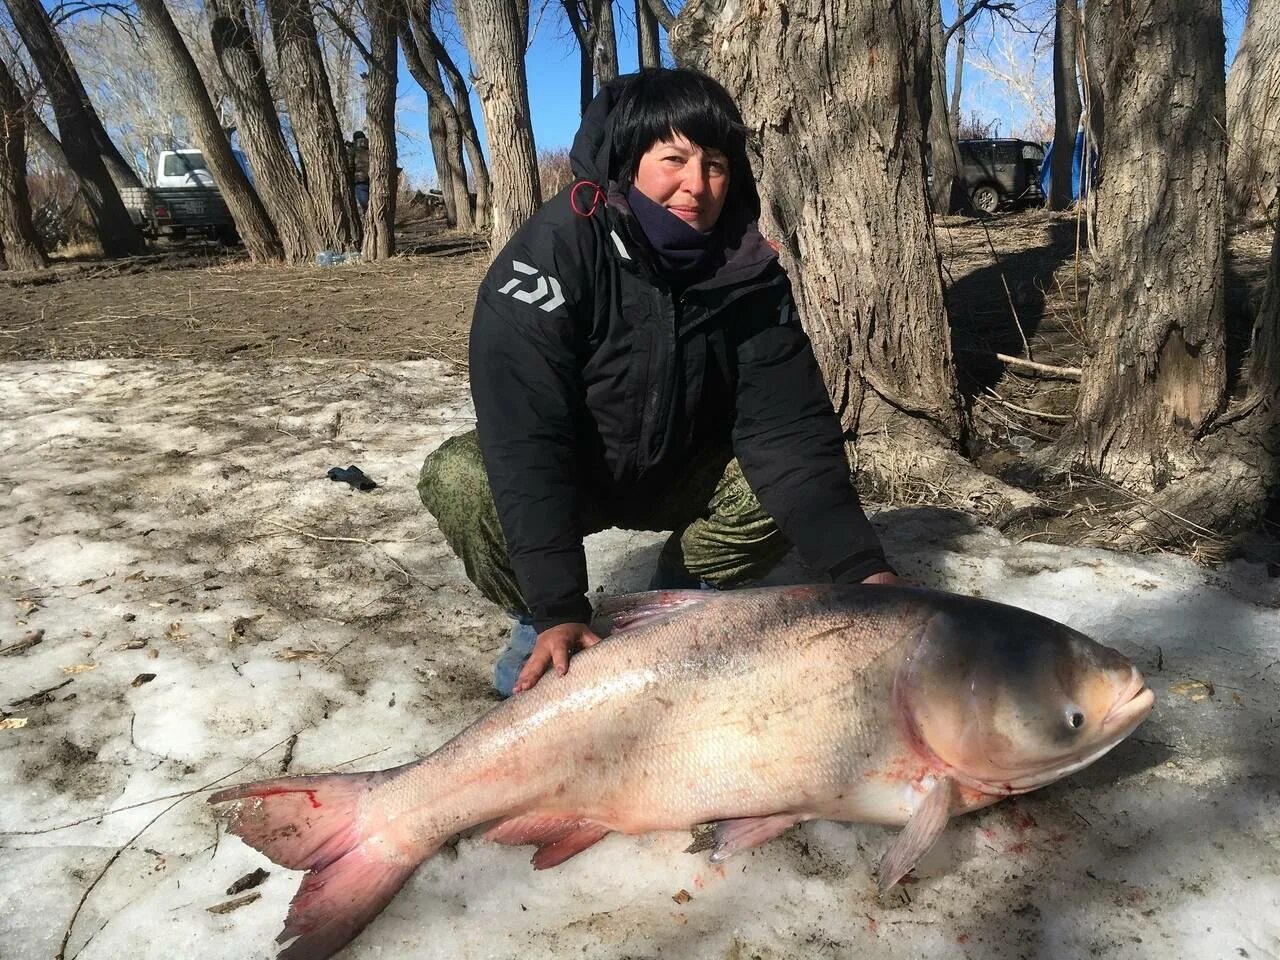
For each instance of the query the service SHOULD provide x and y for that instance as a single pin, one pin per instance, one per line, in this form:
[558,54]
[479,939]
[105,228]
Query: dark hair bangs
[659,104]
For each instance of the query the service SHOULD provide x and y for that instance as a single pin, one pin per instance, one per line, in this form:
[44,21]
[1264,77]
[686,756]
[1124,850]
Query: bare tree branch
[345,26]
[122,14]
[663,13]
[1004,9]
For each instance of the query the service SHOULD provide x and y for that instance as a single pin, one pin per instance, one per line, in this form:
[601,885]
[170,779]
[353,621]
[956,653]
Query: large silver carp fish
[753,710]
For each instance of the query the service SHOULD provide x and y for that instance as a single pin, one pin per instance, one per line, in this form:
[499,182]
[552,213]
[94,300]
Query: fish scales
[739,708]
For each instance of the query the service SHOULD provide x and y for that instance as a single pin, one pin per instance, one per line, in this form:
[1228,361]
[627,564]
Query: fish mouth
[1131,706]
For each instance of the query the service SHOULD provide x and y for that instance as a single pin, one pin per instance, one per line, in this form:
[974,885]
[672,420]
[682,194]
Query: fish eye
[1076,719]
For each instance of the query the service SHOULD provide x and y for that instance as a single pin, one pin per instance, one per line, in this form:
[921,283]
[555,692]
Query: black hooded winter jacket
[590,374]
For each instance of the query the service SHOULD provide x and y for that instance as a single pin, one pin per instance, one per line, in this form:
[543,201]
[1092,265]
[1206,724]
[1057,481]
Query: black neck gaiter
[679,248]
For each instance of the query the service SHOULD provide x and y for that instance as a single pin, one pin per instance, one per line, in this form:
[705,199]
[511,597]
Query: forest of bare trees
[854,108]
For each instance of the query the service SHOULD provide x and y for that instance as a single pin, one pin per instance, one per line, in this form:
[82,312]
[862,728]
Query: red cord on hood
[596,196]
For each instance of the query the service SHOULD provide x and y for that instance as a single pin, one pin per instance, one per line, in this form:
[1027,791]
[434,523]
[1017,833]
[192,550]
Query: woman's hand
[554,647]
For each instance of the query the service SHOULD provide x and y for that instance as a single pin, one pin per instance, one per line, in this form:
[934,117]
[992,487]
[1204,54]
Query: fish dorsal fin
[642,609]
[921,832]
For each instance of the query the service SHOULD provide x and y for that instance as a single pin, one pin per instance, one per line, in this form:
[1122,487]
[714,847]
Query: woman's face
[690,182]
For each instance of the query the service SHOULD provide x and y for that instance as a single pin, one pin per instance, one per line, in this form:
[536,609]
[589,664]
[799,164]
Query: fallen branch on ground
[1066,373]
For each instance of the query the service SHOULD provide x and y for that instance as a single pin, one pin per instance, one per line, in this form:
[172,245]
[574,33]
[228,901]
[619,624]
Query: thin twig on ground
[66,937]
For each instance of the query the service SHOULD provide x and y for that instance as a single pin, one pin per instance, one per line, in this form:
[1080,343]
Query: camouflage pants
[721,534]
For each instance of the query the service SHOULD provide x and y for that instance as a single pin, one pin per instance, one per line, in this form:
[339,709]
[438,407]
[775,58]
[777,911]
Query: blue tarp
[1075,168]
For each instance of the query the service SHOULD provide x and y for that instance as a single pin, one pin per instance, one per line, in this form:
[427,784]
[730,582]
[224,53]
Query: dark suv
[1000,171]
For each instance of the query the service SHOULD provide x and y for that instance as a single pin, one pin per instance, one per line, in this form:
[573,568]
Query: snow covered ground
[169,536]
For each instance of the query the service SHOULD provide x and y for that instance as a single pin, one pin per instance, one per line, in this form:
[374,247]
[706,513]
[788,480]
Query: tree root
[908,463]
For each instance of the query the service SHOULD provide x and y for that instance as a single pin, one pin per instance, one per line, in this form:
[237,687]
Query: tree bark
[278,181]
[1066,104]
[380,100]
[946,191]
[76,122]
[19,243]
[662,14]
[496,36]
[648,52]
[1253,118]
[252,222]
[957,81]
[316,129]
[453,173]
[841,145]
[1095,68]
[470,133]
[586,42]
[1264,370]
[439,155]
[1156,378]
[604,53]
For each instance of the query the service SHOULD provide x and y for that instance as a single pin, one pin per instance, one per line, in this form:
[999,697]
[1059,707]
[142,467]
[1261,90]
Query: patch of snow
[175,520]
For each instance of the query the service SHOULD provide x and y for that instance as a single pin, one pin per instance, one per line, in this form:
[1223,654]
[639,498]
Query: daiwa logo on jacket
[538,292]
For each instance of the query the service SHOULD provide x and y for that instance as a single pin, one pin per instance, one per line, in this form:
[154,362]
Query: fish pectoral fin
[557,838]
[921,832]
[732,836]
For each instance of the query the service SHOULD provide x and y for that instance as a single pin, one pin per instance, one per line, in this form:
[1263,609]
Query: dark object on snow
[247,882]
[352,475]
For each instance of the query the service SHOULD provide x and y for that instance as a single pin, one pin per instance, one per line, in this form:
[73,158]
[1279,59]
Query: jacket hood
[592,158]
[593,144]
[592,155]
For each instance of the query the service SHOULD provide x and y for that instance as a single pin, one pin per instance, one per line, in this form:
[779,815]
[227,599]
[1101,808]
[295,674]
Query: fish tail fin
[310,823]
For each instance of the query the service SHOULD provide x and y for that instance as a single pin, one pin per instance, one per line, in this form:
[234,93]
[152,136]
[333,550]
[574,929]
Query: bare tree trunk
[316,129]
[122,173]
[453,178]
[841,144]
[439,154]
[586,42]
[19,243]
[957,81]
[496,36]
[1253,117]
[946,191]
[252,223]
[467,125]
[604,53]
[279,183]
[1156,378]
[1264,371]
[116,232]
[662,14]
[380,99]
[338,53]
[1066,104]
[44,138]
[648,53]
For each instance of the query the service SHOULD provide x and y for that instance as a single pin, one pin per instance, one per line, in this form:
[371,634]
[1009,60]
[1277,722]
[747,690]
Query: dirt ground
[199,301]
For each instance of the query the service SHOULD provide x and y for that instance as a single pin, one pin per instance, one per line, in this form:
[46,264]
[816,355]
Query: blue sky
[553,84]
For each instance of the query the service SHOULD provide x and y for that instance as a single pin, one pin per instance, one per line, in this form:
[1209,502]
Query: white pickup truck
[184,198]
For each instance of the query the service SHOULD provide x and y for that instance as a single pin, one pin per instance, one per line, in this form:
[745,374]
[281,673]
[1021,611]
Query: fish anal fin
[642,609]
[733,836]
[570,845]
[921,832]
[557,838]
